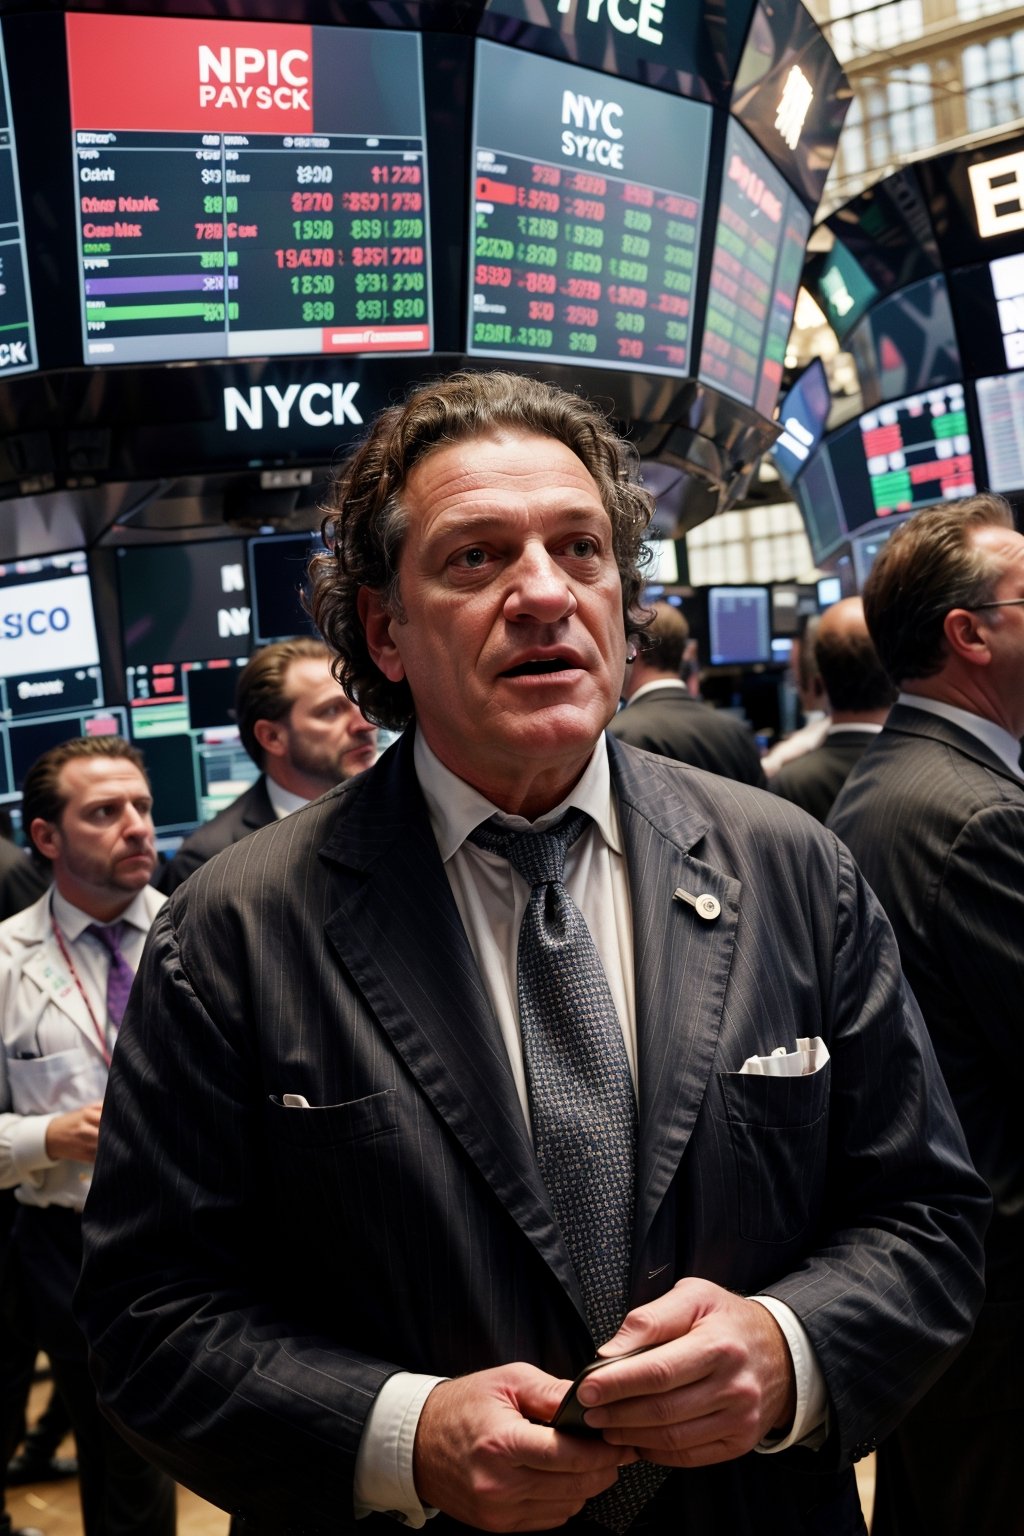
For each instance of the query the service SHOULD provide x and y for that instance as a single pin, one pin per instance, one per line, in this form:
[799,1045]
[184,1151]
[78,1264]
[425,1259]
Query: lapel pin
[706,906]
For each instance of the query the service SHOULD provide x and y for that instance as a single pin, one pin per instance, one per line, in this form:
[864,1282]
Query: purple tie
[120,976]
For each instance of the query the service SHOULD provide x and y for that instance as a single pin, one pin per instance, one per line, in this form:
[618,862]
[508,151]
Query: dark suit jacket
[21,883]
[813,780]
[936,823]
[670,722]
[255,1272]
[248,813]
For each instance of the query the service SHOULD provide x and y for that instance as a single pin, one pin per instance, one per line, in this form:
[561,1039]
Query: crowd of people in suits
[330,1040]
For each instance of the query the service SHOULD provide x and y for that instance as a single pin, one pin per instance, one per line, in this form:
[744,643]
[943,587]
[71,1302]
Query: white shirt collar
[1005,745]
[73,921]
[662,682]
[455,807]
[869,727]
[282,800]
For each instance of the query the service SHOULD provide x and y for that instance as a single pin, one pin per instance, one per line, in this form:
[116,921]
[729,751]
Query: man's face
[324,736]
[1004,628]
[511,635]
[101,846]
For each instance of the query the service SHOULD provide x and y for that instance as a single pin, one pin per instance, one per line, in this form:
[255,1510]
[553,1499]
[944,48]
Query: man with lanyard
[66,966]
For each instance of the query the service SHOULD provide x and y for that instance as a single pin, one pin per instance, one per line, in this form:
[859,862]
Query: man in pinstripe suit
[325,1281]
[934,814]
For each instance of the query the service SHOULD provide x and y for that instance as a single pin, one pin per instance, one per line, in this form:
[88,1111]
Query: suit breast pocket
[778,1129]
[334,1125]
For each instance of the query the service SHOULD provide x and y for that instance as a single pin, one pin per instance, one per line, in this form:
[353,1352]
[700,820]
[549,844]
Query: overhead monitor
[867,547]
[830,590]
[791,94]
[756,265]
[792,602]
[803,416]
[262,191]
[49,654]
[906,343]
[586,217]
[904,455]
[17,332]
[186,633]
[278,581]
[739,625]
[841,287]
[886,233]
[820,503]
[1001,414]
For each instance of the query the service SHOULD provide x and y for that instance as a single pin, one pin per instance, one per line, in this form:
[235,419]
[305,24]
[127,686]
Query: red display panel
[262,192]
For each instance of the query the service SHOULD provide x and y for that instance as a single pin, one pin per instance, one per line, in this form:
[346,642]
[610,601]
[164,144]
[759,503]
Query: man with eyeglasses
[934,815]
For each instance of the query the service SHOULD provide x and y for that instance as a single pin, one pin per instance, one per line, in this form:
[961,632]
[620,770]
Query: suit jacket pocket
[333,1125]
[778,1128]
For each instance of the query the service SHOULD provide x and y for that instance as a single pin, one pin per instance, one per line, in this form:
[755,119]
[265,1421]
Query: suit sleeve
[200,1356]
[890,1289]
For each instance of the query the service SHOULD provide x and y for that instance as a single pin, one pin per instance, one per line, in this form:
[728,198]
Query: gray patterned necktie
[581,1099]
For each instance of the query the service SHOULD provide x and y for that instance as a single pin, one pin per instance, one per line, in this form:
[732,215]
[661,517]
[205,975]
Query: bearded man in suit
[934,813]
[385,1197]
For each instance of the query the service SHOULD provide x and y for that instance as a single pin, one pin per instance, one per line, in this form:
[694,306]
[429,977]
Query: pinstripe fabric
[255,1272]
[936,822]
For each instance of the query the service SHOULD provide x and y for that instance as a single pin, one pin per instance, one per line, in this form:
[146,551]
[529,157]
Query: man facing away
[934,814]
[300,730]
[66,964]
[860,696]
[661,716]
[442,1128]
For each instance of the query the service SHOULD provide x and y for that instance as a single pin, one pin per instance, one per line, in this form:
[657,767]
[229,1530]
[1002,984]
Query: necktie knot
[110,936]
[538,856]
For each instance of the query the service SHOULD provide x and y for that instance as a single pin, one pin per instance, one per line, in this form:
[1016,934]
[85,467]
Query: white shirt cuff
[384,1466]
[810,1421]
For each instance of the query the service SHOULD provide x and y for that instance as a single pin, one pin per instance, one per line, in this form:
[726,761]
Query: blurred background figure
[662,716]
[860,696]
[302,732]
[813,702]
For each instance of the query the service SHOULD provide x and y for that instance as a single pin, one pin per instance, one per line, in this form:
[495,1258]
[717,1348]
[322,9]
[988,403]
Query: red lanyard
[66,954]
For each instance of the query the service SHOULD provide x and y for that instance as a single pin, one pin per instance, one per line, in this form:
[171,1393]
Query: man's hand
[720,1379]
[479,1458]
[75,1134]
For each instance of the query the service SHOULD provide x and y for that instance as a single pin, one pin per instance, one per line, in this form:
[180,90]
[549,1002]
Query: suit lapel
[681,965]
[398,932]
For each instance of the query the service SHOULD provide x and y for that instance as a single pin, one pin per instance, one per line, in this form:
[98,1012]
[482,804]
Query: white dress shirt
[492,897]
[283,801]
[50,1064]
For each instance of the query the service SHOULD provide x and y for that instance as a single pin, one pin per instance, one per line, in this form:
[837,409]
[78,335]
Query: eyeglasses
[1004,602]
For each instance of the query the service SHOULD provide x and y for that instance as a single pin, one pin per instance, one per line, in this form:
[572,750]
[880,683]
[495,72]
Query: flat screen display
[886,231]
[262,191]
[904,455]
[739,625]
[820,504]
[906,343]
[803,416]
[586,215]
[755,273]
[1001,413]
[17,334]
[184,602]
[49,655]
[841,287]
[790,92]
[278,582]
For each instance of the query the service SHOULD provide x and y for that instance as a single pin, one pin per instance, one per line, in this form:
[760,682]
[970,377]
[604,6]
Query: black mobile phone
[570,1412]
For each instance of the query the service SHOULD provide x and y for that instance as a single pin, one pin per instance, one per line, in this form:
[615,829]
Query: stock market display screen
[755,274]
[17,336]
[907,454]
[588,195]
[262,192]
[1001,412]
